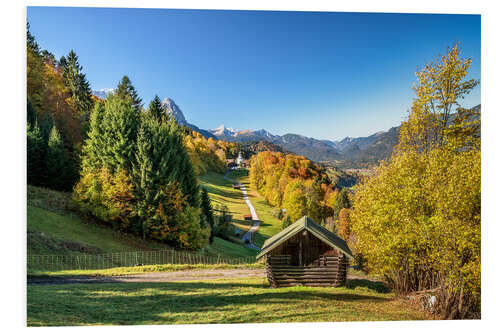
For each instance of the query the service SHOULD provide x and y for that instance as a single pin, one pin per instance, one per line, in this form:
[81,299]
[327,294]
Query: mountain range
[348,152]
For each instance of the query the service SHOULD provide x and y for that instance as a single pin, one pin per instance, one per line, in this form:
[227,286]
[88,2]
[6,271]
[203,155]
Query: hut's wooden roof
[305,223]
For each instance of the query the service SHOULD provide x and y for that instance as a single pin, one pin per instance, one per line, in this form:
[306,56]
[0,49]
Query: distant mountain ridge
[349,152]
[358,151]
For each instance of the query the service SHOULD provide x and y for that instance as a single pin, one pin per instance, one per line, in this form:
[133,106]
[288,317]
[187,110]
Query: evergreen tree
[36,149]
[31,114]
[125,88]
[207,213]
[160,183]
[119,133]
[183,171]
[153,162]
[161,158]
[342,202]
[31,42]
[46,124]
[57,163]
[49,58]
[155,108]
[94,145]
[79,88]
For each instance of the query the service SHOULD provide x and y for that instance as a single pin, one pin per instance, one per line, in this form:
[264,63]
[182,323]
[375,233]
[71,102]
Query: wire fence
[128,259]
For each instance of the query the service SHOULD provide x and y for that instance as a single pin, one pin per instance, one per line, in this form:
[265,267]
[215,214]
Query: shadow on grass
[221,192]
[377,286]
[139,303]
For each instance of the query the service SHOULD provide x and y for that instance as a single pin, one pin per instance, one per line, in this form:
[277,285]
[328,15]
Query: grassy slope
[217,301]
[54,233]
[221,191]
[53,229]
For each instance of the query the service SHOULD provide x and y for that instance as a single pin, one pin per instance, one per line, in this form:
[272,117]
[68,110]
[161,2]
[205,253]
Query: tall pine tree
[119,133]
[155,108]
[31,114]
[207,212]
[31,42]
[75,80]
[206,207]
[58,164]
[46,124]
[342,202]
[164,205]
[36,149]
[125,88]
[94,145]
[184,172]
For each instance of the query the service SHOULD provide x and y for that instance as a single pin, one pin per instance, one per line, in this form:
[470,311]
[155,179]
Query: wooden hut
[306,254]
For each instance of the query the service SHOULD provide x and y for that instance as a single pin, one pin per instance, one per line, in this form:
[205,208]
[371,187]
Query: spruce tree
[36,149]
[57,163]
[184,171]
[31,114]
[155,108]
[160,181]
[46,124]
[342,202]
[31,42]
[94,144]
[207,212]
[76,81]
[162,158]
[125,88]
[119,133]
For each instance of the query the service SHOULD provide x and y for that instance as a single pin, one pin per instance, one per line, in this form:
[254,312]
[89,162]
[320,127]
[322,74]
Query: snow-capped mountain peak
[224,131]
[103,93]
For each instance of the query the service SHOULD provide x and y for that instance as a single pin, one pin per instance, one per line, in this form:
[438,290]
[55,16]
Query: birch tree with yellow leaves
[417,221]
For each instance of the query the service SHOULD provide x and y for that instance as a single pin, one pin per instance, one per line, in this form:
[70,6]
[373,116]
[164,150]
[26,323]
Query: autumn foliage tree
[49,106]
[417,221]
[344,223]
[206,155]
[294,183]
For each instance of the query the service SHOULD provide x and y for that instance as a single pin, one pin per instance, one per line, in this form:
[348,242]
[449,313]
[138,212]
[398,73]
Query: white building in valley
[239,160]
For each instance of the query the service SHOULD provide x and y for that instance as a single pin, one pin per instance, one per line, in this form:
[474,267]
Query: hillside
[53,229]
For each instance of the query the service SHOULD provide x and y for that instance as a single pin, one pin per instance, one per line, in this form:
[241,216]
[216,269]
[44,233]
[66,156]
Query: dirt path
[247,237]
[191,275]
[177,276]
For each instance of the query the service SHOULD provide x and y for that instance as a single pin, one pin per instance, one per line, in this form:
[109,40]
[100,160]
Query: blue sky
[323,75]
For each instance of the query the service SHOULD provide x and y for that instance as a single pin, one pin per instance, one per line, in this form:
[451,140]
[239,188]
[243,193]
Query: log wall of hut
[306,260]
